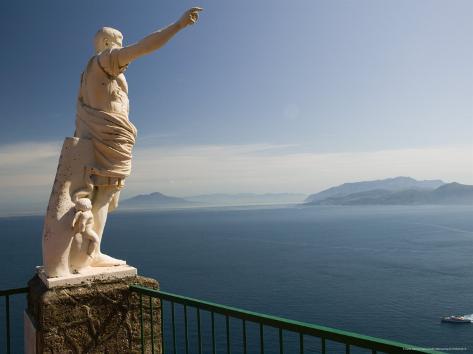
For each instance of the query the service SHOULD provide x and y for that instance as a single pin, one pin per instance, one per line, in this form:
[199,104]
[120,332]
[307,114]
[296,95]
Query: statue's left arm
[157,39]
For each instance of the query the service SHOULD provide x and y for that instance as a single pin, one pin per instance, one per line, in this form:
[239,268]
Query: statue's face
[118,40]
[108,38]
[115,41]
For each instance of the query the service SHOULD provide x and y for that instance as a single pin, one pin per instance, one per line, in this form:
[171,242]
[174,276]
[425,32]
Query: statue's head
[83,204]
[107,38]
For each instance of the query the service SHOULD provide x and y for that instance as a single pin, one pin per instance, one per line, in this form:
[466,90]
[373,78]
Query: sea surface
[388,272]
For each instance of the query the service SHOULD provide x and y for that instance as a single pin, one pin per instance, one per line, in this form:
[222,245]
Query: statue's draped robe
[112,134]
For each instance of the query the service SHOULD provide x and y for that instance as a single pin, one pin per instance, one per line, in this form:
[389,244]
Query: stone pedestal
[88,275]
[101,316]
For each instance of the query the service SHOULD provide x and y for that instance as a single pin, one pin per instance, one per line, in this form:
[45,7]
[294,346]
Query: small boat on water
[456,319]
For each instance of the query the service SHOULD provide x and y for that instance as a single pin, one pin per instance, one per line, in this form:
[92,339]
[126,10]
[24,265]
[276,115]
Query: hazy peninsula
[395,191]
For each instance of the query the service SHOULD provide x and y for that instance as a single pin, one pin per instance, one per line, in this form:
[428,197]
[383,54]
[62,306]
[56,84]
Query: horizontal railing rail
[6,294]
[349,339]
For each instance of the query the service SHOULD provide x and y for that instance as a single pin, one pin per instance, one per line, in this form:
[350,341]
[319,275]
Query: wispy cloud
[26,176]
[277,168]
[28,169]
[28,164]
[24,153]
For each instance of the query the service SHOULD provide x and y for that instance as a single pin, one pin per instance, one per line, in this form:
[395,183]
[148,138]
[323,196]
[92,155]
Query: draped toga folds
[102,114]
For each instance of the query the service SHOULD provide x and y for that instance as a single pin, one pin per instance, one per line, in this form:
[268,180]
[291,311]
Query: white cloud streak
[27,170]
[28,164]
[268,168]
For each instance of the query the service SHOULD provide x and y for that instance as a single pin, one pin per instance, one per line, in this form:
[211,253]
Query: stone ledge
[97,317]
[88,275]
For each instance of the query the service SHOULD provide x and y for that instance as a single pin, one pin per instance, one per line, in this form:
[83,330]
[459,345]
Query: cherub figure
[84,223]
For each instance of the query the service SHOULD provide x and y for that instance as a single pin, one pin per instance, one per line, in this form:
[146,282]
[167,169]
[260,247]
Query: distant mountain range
[394,191]
[389,184]
[159,200]
[391,191]
[155,200]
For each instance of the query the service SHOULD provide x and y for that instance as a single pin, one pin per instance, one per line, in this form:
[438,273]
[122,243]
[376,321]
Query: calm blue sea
[389,272]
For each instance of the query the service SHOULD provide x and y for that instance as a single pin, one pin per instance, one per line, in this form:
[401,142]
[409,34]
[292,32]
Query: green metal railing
[303,330]
[6,294]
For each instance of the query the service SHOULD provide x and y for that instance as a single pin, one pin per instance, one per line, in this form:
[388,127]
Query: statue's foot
[102,260]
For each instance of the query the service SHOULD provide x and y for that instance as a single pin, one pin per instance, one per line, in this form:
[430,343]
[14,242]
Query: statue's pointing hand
[190,17]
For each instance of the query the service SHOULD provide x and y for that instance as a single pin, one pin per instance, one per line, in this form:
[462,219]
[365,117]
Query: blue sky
[304,93]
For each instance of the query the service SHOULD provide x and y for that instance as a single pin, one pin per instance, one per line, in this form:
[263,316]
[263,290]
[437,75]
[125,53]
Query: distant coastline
[395,191]
[391,191]
[161,201]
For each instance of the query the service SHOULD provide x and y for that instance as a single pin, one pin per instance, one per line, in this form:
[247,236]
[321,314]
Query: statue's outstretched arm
[157,39]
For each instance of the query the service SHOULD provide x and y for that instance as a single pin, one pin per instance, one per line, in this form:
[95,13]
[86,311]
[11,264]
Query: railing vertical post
[213,334]
[199,333]
[173,329]
[281,342]
[7,321]
[323,345]
[186,330]
[227,324]
[244,338]
[261,338]
[347,348]
[301,343]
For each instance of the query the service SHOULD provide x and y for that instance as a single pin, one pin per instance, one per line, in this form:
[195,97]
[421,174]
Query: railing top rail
[290,325]
[13,291]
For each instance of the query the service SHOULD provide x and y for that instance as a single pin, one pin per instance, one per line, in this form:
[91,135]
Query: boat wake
[468,317]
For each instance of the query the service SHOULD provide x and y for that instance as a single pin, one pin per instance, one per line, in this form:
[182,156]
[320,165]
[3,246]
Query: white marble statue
[95,162]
